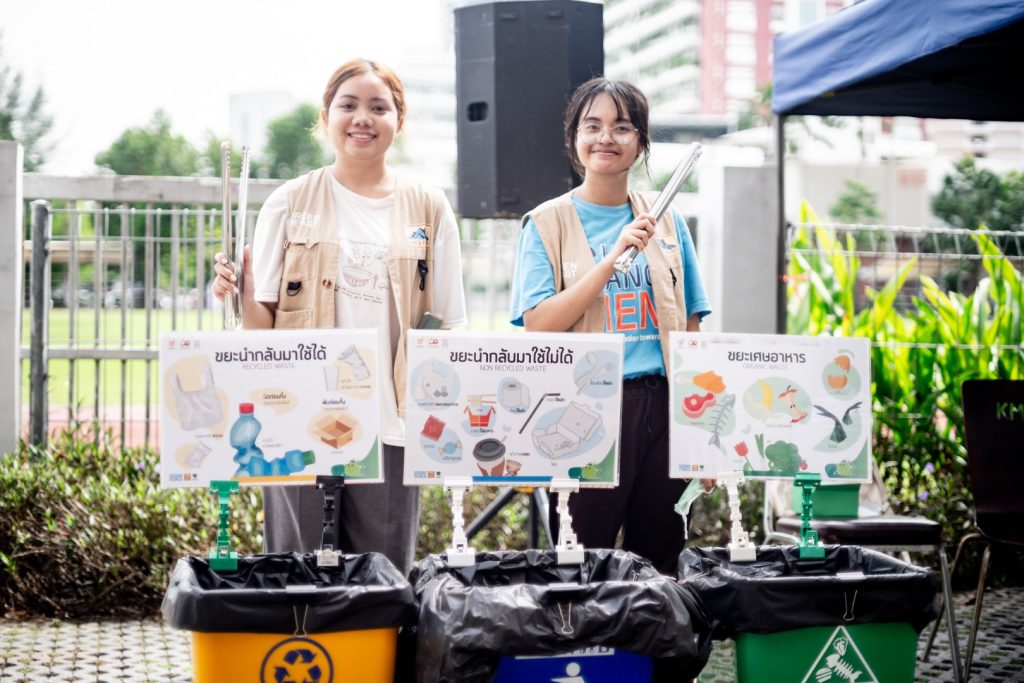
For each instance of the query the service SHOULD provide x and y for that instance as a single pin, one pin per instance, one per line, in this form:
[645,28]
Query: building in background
[428,142]
[701,56]
[995,140]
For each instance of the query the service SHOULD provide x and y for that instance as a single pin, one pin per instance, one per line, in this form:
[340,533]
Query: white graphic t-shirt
[362,294]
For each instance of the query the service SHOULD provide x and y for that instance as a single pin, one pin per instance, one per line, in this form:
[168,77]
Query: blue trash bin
[519,615]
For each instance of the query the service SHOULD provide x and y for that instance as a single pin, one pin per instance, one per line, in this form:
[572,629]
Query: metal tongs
[232,302]
[625,260]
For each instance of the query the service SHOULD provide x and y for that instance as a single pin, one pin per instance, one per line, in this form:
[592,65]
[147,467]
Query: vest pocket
[293,319]
[298,285]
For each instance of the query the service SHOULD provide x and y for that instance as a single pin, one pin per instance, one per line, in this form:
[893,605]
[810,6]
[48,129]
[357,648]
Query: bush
[86,531]
[919,359]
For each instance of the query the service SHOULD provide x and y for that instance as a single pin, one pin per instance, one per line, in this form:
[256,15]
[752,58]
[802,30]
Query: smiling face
[605,156]
[362,118]
[604,104]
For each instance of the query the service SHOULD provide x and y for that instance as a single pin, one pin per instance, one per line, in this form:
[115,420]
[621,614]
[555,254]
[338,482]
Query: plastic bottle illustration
[243,438]
[291,462]
[249,456]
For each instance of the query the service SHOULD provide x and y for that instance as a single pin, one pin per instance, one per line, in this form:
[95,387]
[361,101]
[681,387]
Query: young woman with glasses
[354,244]
[565,282]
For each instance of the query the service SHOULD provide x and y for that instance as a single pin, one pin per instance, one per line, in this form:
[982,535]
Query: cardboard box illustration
[335,431]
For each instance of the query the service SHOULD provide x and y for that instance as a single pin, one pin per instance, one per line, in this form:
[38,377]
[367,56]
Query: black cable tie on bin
[329,551]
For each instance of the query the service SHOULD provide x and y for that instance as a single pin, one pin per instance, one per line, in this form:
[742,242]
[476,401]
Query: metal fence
[117,274]
[129,258]
[953,296]
[946,255]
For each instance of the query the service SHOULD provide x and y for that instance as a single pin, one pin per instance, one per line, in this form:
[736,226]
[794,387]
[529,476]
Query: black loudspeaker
[516,65]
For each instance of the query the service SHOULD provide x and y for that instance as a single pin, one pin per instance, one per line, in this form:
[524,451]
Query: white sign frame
[315,394]
[513,409]
[770,406]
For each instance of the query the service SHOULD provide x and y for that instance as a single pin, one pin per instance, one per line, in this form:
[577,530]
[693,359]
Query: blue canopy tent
[959,59]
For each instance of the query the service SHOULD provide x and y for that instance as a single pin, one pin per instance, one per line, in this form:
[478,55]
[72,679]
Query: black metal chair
[994,426]
[883,532]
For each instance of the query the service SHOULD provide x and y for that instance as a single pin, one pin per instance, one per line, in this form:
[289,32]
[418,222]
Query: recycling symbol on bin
[297,660]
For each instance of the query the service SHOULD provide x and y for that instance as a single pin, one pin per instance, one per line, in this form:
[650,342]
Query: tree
[208,162]
[27,123]
[291,148]
[151,150]
[856,204]
[975,196]
[758,114]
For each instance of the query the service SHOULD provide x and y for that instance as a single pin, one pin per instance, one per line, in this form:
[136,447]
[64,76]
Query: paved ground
[116,652]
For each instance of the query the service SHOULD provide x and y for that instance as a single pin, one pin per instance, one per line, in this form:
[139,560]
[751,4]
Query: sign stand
[460,554]
[222,558]
[740,547]
[810,549]
[330,545]
[568,549]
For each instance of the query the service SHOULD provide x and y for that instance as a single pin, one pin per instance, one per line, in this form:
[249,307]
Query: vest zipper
[421,266]
[672,272]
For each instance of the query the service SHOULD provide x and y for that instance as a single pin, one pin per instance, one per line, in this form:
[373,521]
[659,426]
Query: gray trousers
[383,518]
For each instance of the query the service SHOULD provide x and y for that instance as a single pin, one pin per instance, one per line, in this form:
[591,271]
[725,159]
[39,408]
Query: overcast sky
[107,65]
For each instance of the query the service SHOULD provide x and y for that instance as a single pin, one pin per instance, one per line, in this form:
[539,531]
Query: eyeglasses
[620,133]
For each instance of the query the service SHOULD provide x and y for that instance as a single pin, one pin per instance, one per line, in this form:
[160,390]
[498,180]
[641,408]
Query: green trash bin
[853,616]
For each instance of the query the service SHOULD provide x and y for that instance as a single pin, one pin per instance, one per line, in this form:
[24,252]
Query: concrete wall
[737,240]
[901,187]
[11,270]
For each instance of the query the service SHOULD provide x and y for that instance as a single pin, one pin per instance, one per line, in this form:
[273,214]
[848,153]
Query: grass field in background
[105,378]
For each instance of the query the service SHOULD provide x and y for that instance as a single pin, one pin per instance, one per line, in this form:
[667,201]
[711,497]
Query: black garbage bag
[524,603]
[781,592]
[279,593]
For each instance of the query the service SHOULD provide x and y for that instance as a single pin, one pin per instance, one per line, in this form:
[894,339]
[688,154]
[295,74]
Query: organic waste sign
[770,405]
[512,408]
[269,406]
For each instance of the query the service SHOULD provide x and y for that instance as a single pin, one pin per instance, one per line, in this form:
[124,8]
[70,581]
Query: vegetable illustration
[783,456]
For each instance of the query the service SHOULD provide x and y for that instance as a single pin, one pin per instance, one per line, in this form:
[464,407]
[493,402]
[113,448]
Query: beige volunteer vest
[566,245]
[312,249]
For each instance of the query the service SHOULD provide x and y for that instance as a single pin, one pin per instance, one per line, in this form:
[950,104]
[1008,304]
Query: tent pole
[780,257]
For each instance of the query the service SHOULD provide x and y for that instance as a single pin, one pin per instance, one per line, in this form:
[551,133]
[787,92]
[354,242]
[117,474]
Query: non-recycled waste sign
[512,408]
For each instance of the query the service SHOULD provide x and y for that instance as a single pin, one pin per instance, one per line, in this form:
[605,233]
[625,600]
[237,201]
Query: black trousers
[642,504]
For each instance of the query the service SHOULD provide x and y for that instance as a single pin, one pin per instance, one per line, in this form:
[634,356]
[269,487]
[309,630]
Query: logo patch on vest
[667,246]
[569,269]
[419,234]
[302,219]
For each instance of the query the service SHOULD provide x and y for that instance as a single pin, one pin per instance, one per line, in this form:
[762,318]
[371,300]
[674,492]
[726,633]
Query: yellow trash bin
[281,618]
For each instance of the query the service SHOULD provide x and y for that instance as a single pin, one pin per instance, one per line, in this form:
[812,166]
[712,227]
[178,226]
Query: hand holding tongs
[232,301]
[625,260]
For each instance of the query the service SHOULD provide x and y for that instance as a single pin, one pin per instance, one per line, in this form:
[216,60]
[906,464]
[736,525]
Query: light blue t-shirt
[628,297]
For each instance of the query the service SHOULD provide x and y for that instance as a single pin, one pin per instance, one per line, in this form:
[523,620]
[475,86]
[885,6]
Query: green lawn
[104,379]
